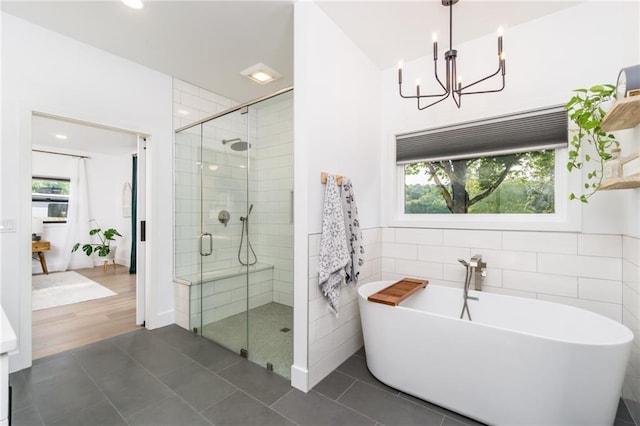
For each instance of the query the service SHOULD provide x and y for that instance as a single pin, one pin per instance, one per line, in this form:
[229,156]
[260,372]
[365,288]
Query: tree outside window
[507,184]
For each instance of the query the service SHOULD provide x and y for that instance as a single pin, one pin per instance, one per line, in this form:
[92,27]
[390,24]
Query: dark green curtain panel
[134,215]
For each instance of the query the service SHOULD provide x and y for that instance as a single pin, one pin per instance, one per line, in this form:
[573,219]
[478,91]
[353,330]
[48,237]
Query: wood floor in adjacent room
[66,327]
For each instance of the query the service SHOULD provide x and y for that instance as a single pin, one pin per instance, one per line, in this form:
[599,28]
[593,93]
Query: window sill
[507,222]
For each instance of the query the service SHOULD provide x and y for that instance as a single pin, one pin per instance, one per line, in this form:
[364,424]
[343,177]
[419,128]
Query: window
[500,166]
[513,183]
[50,199]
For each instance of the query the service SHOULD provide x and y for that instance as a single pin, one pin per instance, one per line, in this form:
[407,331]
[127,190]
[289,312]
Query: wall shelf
[624,182]
[624,114]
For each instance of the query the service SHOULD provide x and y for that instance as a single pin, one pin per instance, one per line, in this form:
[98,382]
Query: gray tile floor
[172,377]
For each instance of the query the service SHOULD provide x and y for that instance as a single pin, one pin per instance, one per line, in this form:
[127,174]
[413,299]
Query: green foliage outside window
[49,186]
[513,183]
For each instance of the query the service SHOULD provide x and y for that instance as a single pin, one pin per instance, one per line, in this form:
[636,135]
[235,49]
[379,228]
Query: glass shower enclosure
[233,249]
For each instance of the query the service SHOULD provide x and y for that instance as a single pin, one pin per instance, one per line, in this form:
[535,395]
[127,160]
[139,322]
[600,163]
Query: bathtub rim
[627,341]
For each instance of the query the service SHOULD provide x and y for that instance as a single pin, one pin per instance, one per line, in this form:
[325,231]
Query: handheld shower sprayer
[249,248]
[243,218]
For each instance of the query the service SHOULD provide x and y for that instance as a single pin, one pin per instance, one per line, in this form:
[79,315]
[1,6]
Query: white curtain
[78,216]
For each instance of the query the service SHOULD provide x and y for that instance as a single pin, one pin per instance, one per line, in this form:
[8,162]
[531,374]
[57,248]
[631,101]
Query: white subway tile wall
[334,339]
[578,269]
[272,191]
[219,299]
[210,178]
[631,313]
[192,103]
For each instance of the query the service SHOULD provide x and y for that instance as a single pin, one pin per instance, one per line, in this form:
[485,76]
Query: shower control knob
[223,217]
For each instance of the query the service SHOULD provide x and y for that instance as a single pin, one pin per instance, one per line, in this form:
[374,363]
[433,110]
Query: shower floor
[270,335]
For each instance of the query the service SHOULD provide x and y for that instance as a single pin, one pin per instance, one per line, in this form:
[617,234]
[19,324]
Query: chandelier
[453,82]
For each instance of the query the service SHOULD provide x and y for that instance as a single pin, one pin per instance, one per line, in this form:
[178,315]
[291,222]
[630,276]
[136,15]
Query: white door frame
[141,217]
[141,287]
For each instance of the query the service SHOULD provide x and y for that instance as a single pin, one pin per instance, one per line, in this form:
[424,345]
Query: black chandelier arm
[445,93]
[477,92]
[445,96]
[435,72]
[500,68]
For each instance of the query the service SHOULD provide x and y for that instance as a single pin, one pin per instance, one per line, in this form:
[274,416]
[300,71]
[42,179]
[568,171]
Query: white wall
[46,72]
[337,111]
[106,177]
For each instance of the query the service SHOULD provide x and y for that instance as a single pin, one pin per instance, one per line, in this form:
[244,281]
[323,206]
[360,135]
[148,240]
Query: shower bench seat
[219,274]
[222,293]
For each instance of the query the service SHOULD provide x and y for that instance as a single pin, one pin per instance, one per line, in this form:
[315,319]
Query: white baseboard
[161,320]
[300,378]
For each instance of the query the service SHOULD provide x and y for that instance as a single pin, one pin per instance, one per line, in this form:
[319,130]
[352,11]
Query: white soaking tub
[519,362]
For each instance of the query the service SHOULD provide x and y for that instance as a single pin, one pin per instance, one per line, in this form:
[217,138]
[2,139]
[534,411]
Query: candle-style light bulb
[434,38]
[503,63]
[459,83]
[399,72]
[500,31]
[418,87]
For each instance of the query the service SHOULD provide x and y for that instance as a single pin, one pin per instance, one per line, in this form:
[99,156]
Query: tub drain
[285,329]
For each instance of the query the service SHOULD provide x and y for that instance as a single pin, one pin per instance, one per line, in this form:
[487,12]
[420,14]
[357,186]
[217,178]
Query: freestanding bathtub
[519,362]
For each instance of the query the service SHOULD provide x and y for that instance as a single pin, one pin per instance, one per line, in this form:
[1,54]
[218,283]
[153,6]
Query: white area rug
[64,288]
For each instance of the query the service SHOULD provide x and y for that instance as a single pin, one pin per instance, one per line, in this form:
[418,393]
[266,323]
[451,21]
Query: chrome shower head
[237,144]
[464,263]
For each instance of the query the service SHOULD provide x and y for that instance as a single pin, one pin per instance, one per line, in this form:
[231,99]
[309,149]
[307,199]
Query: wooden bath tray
[397,292]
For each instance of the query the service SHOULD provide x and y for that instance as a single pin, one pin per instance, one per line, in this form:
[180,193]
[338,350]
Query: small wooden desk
[40,247]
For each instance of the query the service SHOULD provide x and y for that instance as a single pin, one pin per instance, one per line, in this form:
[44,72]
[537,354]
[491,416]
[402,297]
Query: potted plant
[103,248]
[586,111]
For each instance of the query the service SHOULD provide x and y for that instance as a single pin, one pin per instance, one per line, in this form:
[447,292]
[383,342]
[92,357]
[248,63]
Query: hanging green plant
[585,110]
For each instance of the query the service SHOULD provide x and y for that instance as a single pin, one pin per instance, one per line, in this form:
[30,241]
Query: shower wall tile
[274,171]
[198,102]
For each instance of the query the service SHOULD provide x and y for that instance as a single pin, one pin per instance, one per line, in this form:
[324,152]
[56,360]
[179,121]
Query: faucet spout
[479,270]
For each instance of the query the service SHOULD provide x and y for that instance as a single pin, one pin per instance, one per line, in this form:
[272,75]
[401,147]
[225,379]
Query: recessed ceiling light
[213,167]
[61,136]
[260,73]
[134,4]
[183,112]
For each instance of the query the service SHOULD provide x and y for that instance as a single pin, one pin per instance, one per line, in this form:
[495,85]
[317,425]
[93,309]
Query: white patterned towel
[333,246]
[353,233]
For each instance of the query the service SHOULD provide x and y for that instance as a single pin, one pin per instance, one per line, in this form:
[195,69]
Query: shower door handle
[204,236]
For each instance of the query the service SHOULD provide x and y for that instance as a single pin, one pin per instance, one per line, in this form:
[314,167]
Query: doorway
[79,298]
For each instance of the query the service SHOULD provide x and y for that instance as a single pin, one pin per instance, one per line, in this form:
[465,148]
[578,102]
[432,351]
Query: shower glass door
[234,230]
[224,207]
